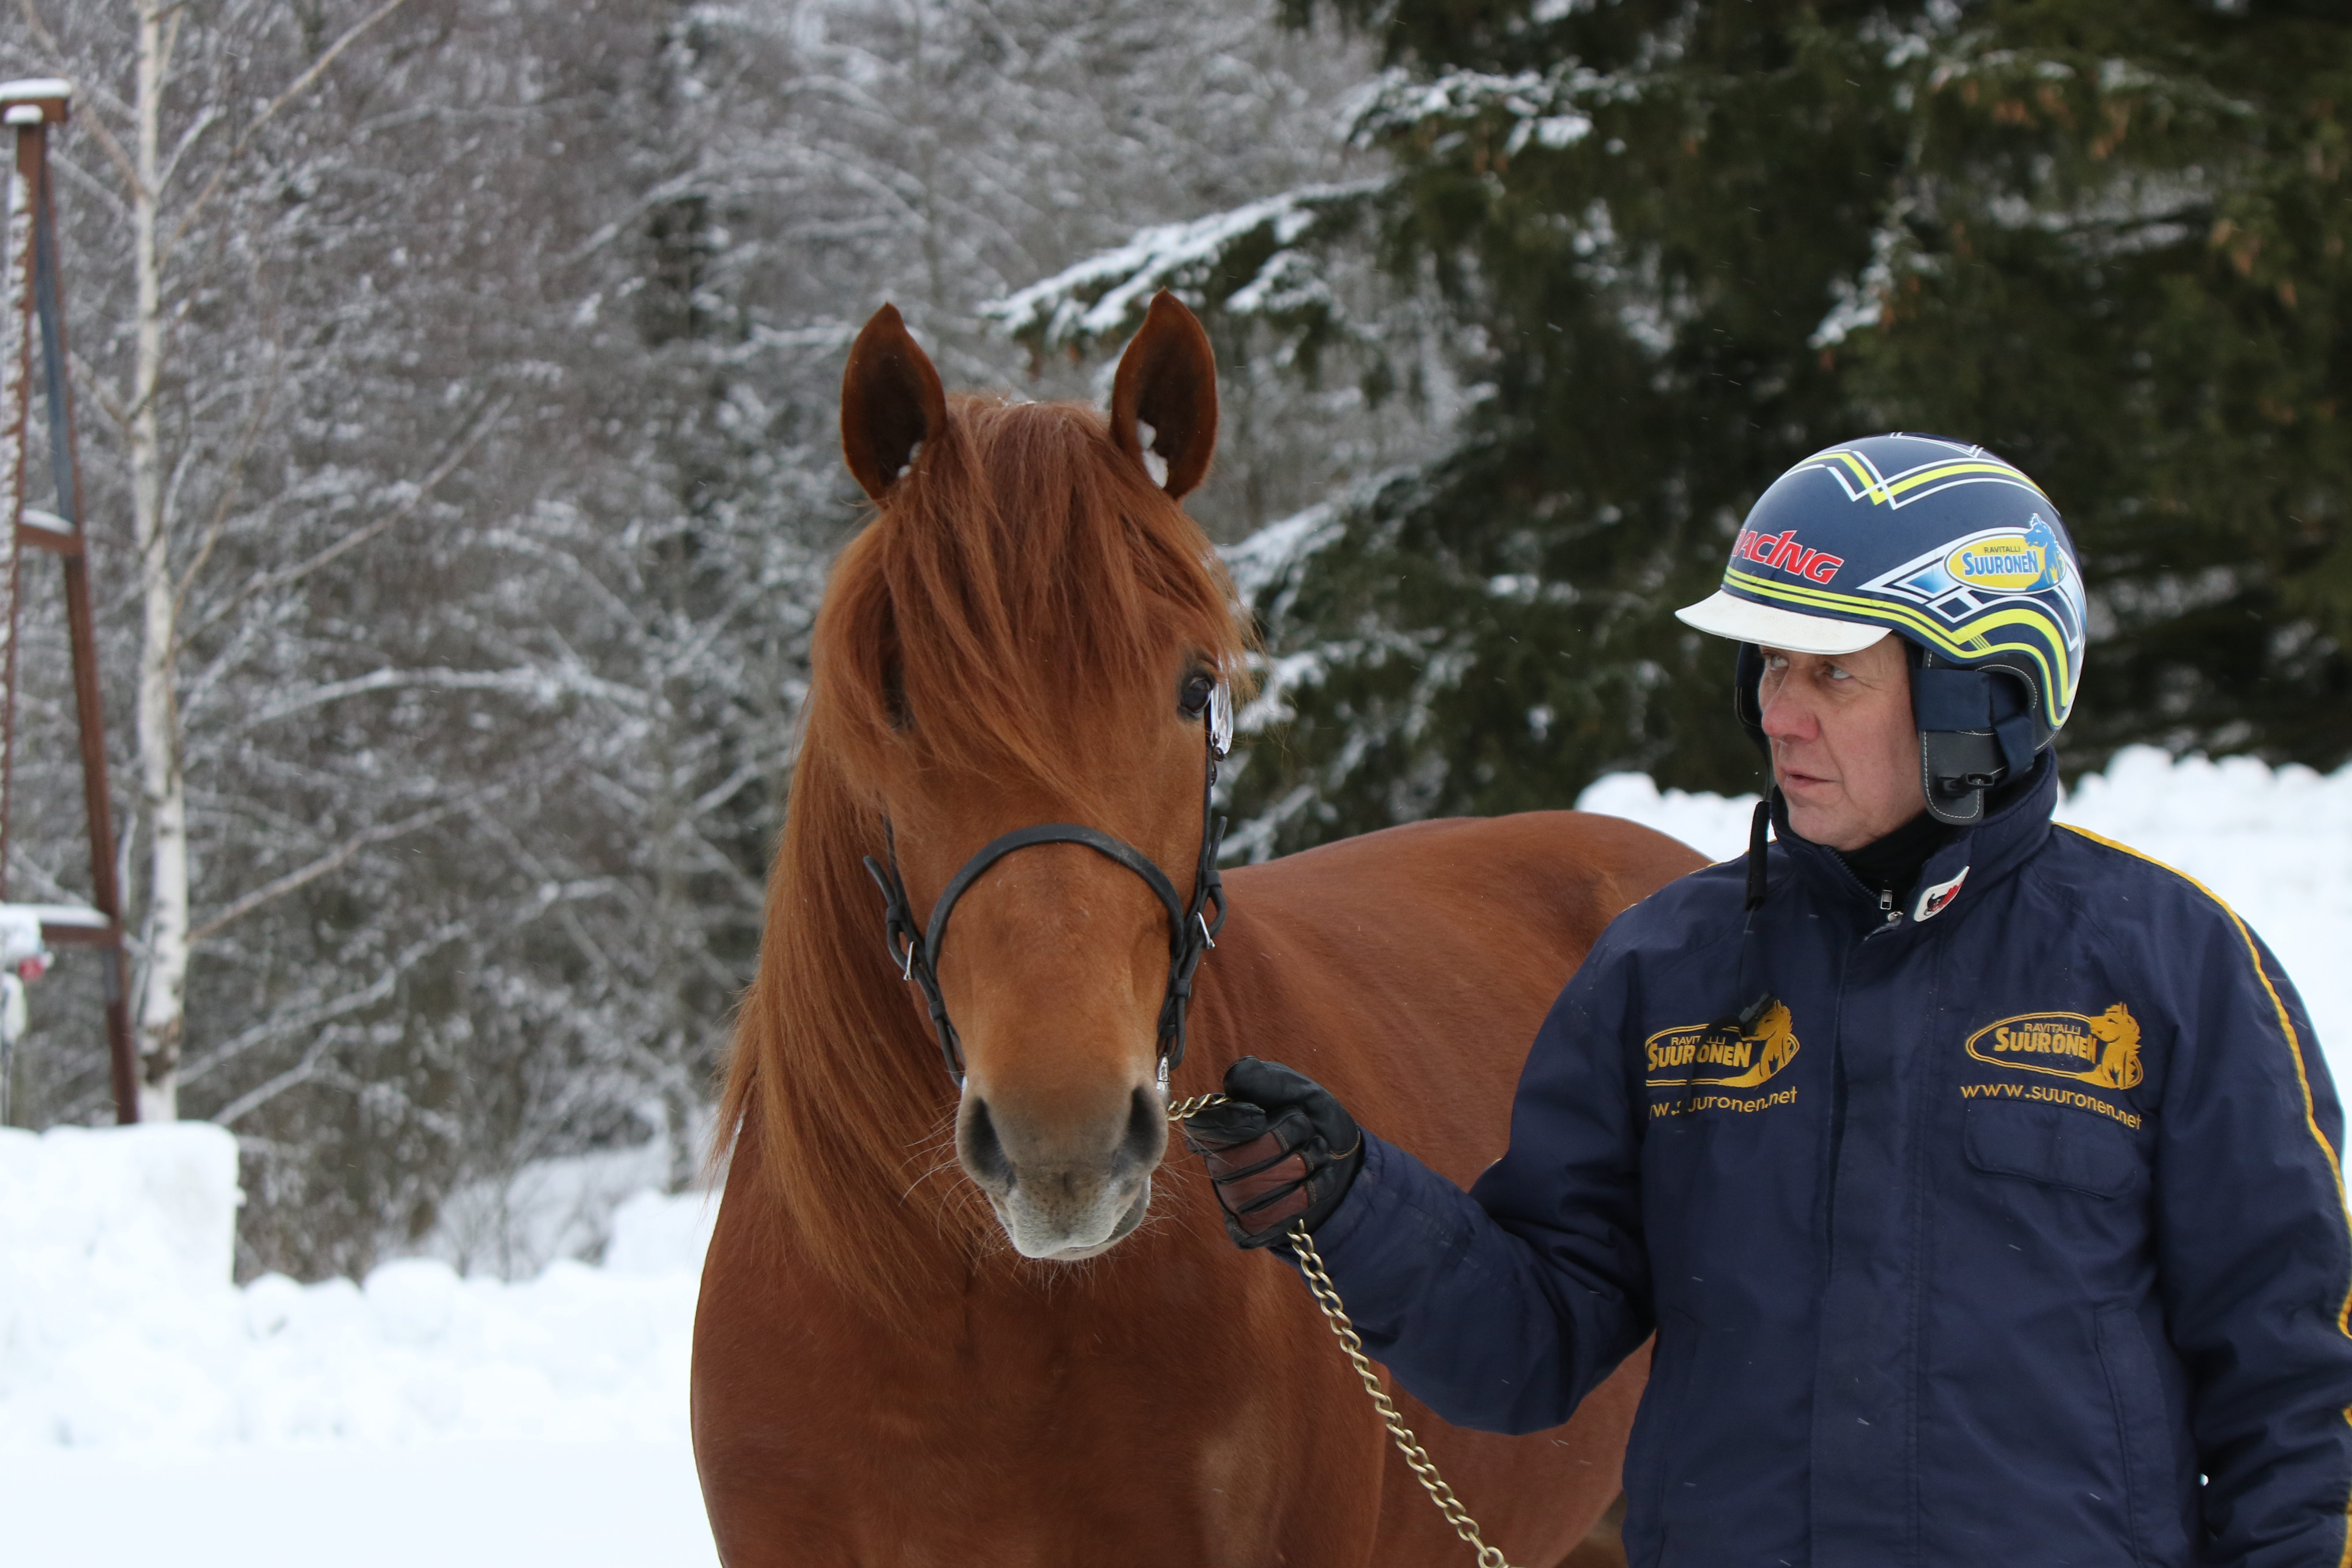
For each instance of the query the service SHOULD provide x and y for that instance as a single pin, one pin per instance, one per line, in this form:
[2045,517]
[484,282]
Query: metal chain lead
[1343,1328]
[1425,1468]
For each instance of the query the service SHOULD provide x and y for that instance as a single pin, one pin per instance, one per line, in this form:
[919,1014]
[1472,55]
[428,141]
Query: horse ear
[891,402]
[1168,381]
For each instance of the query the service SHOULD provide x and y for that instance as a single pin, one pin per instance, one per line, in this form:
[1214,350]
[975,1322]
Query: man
[1979,1178]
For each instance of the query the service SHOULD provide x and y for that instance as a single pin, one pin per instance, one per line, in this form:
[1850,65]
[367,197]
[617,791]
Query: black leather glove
[1280,1149]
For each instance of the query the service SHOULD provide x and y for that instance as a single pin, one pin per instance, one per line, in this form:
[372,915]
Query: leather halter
[1191,928]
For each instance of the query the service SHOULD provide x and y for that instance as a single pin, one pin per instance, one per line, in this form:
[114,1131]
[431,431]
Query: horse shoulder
[1565,873]
[1409,969]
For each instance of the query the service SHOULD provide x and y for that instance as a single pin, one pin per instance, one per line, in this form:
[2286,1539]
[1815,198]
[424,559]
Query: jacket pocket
[2048,1144]
[2144,1428]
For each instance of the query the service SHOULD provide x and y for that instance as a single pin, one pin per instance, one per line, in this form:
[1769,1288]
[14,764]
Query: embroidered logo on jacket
[1704,1053]
[1935,900]
[2102,1052]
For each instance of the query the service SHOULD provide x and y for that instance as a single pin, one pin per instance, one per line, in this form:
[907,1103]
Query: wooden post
[30,107]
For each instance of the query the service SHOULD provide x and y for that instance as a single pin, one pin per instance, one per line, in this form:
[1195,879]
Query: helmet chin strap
[1977,729]
[1747,679]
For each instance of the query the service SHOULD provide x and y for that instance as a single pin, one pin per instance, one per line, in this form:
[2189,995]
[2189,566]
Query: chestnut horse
[937,1326]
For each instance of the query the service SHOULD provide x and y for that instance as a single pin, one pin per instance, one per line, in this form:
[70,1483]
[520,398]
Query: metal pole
[16,280]
[32,107]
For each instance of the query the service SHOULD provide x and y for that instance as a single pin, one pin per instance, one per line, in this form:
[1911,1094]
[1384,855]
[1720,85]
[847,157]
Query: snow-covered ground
[153,1412]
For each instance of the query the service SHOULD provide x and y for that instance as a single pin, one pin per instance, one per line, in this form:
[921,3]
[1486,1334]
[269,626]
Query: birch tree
[164,219]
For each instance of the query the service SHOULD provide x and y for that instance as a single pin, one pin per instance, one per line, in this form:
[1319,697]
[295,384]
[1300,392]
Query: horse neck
[1243,1002]
[844,1134]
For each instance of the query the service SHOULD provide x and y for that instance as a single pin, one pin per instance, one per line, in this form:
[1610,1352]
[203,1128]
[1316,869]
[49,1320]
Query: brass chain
[1327,1296]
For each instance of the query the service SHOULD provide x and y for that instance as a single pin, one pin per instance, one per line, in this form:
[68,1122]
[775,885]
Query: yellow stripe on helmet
[1881,491]
[1971,641]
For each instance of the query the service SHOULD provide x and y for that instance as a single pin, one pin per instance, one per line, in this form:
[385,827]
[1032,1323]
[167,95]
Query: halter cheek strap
[1191,928]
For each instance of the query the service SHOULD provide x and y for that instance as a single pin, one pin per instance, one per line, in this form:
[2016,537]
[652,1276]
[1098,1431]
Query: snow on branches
[1103,296]
[1553,109]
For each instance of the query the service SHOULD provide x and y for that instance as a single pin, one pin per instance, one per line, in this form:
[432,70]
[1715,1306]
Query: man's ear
[1163,404]
[891,402]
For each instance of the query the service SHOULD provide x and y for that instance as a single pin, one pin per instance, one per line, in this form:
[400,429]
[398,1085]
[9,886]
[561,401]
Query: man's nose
[1785,719]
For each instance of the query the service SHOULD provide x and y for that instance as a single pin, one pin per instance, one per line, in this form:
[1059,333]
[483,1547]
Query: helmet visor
[1744,620]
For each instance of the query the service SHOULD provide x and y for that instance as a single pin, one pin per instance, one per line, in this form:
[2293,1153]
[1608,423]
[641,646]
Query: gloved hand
[1279,1149]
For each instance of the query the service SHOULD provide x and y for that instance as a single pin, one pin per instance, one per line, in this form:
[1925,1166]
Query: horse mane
[1025,568]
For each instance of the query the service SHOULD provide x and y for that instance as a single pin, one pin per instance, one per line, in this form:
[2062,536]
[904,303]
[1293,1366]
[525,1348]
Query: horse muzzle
[1065,1188]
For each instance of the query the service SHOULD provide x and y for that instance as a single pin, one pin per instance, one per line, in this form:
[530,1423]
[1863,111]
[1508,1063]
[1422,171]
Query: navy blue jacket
[2008,1225]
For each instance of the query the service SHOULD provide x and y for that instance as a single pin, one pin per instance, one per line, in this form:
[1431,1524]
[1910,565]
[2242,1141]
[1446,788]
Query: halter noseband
[1191,928]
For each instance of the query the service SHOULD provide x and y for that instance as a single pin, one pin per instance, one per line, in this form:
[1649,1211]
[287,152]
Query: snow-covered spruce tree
[1681,246]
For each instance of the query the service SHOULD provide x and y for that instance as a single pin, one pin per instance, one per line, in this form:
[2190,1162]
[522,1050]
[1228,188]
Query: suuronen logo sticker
[2103,1052]
[2021,561]
[1719,1059]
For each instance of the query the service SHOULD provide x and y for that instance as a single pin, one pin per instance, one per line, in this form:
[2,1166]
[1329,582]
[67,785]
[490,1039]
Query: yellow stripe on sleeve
[2302,1079]
[2286,1027]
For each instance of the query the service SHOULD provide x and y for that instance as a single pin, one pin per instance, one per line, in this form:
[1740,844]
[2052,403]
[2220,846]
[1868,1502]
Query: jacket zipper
[1894,918]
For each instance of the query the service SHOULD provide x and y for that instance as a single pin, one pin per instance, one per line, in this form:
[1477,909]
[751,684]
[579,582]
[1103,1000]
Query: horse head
[1030,631]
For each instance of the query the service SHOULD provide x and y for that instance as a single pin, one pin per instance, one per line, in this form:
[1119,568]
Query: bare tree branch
[82,180]
[206,118]
[294,89]
[333,860]
[86,375]
[228,491]
[525,682]
[262,1094]
[261,583]
[327,1012]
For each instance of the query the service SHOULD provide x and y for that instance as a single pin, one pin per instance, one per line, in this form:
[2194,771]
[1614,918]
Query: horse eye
[1194,699]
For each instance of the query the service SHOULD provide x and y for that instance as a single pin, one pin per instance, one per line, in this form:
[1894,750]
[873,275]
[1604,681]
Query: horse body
[1176,1400]
[879,1378]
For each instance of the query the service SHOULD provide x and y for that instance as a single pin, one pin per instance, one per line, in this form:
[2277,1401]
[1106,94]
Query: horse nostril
[982,1151]
[1147,1134]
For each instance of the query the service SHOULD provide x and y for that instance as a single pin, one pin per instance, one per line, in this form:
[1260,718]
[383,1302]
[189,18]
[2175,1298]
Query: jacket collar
[1975,859]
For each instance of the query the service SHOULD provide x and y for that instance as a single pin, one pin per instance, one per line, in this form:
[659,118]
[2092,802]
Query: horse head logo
[1774,1041]
[2044,540]
[1779,1037]
[2118,1034]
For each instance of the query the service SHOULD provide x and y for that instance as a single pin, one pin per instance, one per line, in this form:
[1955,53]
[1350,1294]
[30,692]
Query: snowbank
[120,1327]
[552,1208]
[151,1411]
[2275,845]
[442,1505]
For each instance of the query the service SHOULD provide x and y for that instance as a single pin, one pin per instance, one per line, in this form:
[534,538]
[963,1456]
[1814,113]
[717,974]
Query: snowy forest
[456,391]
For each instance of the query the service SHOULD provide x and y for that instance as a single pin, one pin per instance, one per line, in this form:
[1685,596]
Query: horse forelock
[1025,582]
[1023,586]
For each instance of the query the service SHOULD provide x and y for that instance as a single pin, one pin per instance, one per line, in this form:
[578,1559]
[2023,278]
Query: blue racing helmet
[1948,547]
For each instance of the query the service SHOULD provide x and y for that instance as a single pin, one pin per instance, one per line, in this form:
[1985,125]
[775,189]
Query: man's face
[1845,749]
